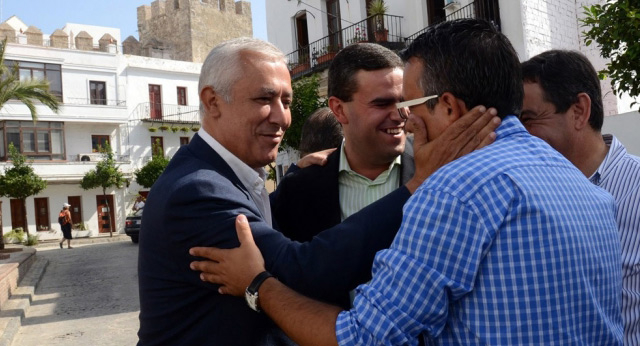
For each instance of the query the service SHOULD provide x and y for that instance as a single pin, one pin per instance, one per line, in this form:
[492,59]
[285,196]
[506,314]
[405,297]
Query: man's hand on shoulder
[233,269]
[319,158]
[472,131]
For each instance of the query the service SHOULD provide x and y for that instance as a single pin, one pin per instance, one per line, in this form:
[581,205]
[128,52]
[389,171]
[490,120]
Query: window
[98,92]
[157,146]
[184,141]
[33,70]
[42,141]
[182,96]
[99,143]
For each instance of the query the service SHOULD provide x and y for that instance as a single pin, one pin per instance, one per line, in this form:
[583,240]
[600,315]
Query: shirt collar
[343,165]
[249,177]
[616,153]
[510,125]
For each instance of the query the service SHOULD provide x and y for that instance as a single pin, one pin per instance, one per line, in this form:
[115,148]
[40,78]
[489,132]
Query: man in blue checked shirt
[563,106]
[508,245]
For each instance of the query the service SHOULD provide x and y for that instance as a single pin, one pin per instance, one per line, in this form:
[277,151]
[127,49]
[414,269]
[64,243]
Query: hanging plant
[184,129]
[153,129]
[163,127]
[175,129]
[195,128]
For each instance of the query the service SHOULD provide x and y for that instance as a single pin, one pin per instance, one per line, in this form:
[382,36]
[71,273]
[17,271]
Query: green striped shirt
[357,191]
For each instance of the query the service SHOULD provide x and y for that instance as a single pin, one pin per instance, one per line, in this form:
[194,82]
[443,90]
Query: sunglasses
[404,106]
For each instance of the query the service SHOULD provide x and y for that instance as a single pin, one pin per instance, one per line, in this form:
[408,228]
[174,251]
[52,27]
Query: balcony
[166,113]
[488,10]
[385,30]
[318,55]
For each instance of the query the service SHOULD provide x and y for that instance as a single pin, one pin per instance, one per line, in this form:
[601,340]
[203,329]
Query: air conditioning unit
[90,157]
[451,4]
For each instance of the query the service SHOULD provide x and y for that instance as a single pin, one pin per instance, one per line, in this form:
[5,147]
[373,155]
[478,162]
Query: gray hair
[222,67]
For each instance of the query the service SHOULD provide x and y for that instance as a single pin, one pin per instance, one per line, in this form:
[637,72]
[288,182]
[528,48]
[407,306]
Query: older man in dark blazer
[245,92]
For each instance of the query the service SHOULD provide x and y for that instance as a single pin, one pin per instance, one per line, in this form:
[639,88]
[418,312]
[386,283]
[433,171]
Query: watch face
[252,299]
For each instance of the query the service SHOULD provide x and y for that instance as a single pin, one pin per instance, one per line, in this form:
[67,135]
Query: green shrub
[32,239]
[16,235]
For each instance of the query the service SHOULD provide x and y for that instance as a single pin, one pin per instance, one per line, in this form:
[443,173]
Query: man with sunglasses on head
[507,245]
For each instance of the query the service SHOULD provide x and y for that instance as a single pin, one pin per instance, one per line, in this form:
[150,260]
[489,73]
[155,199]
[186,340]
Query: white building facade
[107,97]
[306,30]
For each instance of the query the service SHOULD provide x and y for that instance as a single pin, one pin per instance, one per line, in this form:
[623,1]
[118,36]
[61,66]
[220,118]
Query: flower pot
[382,35]
[300,68]
[326,57]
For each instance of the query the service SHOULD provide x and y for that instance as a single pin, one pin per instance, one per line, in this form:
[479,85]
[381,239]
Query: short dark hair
[353,58]
[472,60]
[320,131]
[562,75]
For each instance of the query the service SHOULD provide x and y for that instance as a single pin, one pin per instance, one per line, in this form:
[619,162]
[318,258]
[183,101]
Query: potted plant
[184,129]
[377,9]
[175,129]
[328,53]
[153,129]
[163,127]
[80,230]
[16,236]
[302,64]
[359,35]
[195,128]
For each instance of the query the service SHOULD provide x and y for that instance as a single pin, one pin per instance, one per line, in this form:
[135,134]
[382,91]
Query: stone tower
[188,29]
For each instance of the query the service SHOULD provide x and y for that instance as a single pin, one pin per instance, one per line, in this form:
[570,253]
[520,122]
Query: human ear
[337,107]
[454,107]
[210,99]
[581,111]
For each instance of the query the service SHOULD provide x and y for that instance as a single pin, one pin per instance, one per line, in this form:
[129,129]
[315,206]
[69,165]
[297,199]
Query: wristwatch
[251,293]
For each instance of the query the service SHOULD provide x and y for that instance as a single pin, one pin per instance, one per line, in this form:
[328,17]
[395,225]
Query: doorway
[333,24]
[302,31]
[75,209]
[42,213]
[155,101]
[106,219]
[17,214]
[436,12]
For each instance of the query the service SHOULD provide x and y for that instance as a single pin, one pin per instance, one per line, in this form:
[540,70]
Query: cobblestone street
[87,296]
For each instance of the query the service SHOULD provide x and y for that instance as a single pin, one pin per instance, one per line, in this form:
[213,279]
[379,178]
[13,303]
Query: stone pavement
[20,275]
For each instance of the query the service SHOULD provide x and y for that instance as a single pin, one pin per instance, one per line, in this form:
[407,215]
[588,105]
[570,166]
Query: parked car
[132,225]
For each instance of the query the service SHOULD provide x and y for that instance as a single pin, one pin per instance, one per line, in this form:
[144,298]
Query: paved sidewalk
[13,309]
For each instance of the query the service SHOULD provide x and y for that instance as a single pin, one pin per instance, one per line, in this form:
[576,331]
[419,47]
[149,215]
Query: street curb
[15,309]
[83,241]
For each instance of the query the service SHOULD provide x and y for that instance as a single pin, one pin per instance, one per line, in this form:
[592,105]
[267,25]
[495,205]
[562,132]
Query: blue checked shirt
[509,245]
[619,174]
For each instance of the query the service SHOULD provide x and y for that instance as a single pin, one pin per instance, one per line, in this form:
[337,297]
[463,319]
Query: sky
[49,15]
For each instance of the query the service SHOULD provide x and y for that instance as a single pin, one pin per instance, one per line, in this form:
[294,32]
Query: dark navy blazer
[310,196]
[195,203]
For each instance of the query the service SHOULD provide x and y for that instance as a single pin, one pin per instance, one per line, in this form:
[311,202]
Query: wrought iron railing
[165,113]
[385,30]
[481,9]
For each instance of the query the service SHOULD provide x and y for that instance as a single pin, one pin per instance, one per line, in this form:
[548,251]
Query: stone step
[14,310]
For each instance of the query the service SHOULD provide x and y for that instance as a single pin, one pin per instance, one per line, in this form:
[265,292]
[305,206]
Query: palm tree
[25,91]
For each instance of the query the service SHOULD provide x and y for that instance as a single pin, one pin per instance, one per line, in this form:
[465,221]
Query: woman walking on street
[64,219]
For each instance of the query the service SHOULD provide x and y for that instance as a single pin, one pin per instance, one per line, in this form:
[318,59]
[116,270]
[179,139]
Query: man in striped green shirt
[365,83]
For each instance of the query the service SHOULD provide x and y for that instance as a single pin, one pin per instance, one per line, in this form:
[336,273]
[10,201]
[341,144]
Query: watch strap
[257,281]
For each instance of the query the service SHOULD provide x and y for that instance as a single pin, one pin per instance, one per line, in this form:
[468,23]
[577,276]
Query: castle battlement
[188,29]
